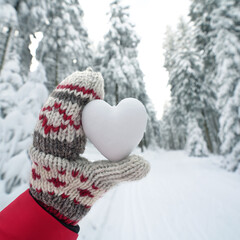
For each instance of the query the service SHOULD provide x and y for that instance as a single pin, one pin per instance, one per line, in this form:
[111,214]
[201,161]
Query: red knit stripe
[64,196]
[56,182]
[51,193]
[83,179]
[75,173]
[79,89]
[61,112]
[47,168]
[38,190]
[48,128]
[85,192]
[35,163]
[35,175]
[77,202]
[94,187]
[56,213]
[62,172]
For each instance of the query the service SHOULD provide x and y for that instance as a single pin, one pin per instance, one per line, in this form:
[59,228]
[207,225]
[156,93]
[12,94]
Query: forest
[202,58]
[64,48]
[192,190]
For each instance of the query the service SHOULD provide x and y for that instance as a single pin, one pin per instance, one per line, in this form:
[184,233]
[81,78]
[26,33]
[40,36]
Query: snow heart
[114,130]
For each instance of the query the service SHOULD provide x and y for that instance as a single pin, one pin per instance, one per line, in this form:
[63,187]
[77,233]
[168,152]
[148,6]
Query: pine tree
[170,46]
[21,96]
[226,25]
[185,77]
[184,66]
[117,61]
[65,47]
[18,20]
[16,130]
[10,81]
[178,118]
[201,15]
[119,64]
[176,114]
[196,145]
[152,133]
[10,68]
[167,133]
[8,22]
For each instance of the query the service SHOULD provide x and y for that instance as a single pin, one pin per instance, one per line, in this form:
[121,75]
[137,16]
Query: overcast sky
[150,18]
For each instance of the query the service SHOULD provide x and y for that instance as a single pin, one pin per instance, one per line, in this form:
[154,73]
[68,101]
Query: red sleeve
[24,219]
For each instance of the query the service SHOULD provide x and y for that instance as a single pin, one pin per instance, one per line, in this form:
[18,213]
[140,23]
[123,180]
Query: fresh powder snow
[182,198]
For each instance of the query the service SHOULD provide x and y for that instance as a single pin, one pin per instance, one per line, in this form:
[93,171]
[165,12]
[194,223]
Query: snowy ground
[181,199]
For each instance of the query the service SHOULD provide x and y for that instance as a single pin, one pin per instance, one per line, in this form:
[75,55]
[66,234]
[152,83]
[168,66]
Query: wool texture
[63,182]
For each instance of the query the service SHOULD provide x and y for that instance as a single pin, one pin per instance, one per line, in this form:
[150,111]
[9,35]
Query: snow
[8,14]
[115,130]
[196,145]
[7,198]
[16,128]
[182,198]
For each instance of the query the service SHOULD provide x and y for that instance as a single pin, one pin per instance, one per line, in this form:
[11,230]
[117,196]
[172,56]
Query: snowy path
[181,199]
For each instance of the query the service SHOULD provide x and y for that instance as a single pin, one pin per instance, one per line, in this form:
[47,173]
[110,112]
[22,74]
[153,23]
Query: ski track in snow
[182,198]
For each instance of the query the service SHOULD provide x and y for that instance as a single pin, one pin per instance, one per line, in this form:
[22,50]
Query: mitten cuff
[73,228]
[62,187]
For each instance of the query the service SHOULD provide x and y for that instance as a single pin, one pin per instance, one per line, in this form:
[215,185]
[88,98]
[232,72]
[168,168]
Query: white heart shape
[114,130]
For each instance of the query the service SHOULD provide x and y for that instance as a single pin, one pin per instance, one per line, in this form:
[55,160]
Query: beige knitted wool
[63,182]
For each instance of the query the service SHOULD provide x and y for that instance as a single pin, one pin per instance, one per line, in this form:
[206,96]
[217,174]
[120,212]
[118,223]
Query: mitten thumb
[106,174]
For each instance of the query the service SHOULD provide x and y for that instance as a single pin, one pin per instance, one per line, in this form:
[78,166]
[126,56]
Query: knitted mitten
[62,182]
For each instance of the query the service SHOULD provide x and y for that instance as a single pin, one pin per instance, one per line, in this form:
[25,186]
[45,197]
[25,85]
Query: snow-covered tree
[19,19]
[170,46]
[117,61]
[173,127]
[185,78]
[16,130]
[65,47]
[21,95]
[178,118]
[8,22]
[175,114]
[152,133]
[17,22]
[183,63]
[226,25]
[201,17]
[10,81]
[196,145]
[10,70]
[167,130]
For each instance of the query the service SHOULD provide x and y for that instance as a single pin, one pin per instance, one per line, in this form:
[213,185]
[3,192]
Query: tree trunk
[216,129]
[6,45]
[56,69]
[209,143]
[116,93]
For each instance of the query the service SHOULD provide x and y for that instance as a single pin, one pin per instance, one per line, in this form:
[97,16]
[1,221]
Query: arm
[64,185]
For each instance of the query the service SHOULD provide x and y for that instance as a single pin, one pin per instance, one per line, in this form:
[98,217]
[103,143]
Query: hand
[62,181]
